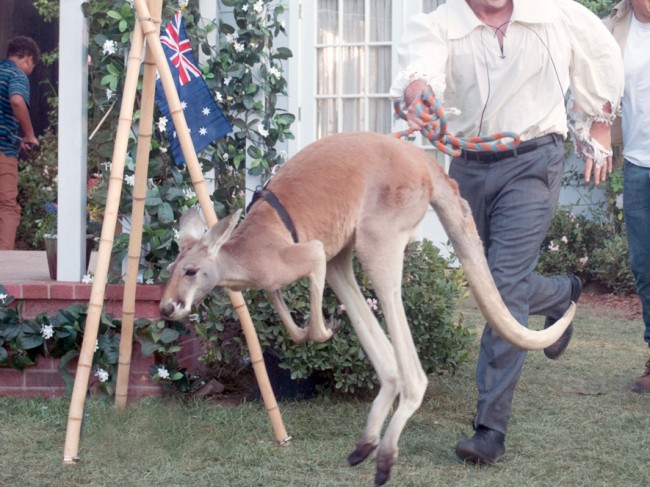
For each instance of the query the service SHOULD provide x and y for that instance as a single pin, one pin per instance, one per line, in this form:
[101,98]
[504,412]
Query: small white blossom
[130,179]
[283,24]
[47,331]
[619,201]
[149,281]
[3,297]
[96,345]
[275,72]
[226,157]
[108,165]
[232,37]
[189,193]
[245,7]
[102,375]
[564,239]
[182,3]
[87,279]
[262,131]
[109,94]
[219,97]
[584,260]
[163,149]
[109,47]
[372,303]
[239,47]
[162,123]
[226,81]
[259,6]
[552,247]
[194,317]
[176,234]
[163,373]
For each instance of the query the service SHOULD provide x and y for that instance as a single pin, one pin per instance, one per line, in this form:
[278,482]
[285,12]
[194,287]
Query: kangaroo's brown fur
[353,191]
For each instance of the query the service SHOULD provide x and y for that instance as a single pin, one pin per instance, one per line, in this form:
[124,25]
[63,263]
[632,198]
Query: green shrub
[431,291]
[611,266]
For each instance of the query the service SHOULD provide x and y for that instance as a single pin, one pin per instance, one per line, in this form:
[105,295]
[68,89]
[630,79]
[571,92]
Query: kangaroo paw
[360,453]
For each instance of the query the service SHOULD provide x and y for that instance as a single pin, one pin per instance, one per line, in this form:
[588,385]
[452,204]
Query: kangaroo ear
[191,228]
[220,233]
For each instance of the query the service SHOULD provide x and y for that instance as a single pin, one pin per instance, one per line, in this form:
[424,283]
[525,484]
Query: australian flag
[204,119]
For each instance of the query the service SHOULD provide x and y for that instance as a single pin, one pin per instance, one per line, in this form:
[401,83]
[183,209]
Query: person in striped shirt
[22,56]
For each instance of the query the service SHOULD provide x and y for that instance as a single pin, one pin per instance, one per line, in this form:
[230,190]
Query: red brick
[149,292]
[43,378]
[15,290]
[11,377]
[36,291]
[62,290]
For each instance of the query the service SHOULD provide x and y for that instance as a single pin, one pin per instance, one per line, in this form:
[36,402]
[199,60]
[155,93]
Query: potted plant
[47,232]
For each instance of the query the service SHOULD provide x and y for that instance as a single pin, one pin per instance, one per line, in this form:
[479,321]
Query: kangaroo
[352,191]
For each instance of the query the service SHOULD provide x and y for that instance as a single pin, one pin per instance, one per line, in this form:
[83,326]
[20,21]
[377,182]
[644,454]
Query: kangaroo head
[195,272]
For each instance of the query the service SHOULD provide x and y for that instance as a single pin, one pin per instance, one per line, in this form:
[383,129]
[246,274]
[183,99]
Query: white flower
[239,47]
[189,193]
[163,373]
[182,3]
[149,281]
[262,131]
[194,317]
[552,247]
[232,37]
[564,239]
[219,97]
[584,260]
[619,201]
[283,24]
[108,165]
[275,72]
[109,94]
[101,374]
[87,278]
[372,303]
[130,179]
[96,345]
[3,297]
[226,81]
[47,331]
[109,47]
[226,157]
[245,7]
[259,6]
[176,234]
[162,123]
[282,155]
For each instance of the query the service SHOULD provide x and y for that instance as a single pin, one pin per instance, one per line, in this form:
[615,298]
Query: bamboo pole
[75,415]
[203,196]
[137,217]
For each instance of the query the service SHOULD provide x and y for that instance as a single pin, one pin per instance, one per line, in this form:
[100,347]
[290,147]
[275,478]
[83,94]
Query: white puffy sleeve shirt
[549,47]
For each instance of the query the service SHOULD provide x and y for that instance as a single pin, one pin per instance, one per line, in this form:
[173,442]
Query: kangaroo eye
[191,272]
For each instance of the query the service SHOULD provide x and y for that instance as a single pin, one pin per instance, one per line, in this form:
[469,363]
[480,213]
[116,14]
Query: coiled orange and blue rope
[436,130]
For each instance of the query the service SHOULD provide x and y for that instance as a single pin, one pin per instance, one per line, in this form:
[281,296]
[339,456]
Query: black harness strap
[273,200]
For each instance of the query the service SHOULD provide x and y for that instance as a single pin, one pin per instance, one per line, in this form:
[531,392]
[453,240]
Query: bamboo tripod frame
[147,28]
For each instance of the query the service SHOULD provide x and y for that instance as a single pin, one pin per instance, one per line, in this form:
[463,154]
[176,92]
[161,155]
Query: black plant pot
[284,387]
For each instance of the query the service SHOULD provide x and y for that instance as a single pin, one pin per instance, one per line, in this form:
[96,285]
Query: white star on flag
[203,131]
[206,111]
[183,104]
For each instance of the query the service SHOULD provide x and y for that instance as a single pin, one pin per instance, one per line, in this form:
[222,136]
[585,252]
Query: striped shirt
[12,82]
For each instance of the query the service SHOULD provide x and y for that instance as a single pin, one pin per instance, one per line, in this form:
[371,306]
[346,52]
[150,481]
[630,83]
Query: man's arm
[21,112]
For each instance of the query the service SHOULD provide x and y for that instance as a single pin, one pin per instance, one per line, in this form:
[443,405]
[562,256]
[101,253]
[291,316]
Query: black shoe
[486,447]
[555,350]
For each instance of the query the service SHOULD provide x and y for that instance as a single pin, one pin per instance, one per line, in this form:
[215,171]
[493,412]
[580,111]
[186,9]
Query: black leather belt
[522,148]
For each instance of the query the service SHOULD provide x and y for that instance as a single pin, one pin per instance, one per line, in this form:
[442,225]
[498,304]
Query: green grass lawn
[574,423]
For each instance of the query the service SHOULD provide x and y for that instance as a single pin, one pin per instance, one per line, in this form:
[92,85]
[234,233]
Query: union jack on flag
[205,120]
[172,39]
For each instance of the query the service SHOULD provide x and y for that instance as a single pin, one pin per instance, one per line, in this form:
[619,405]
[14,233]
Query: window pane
[327,66]
[353,21]
[328,21]
[353,114]
[353,70]
[327,123]
[379,76]
[380,112]
[381,20]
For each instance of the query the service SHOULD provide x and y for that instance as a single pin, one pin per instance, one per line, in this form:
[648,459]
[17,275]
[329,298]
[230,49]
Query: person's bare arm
[21,112]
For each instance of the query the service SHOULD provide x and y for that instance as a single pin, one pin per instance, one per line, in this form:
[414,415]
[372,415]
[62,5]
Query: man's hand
[28,143]
[601,133]
[412,92]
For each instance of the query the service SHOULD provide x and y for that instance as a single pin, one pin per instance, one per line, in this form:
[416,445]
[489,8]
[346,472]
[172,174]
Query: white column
[73,136]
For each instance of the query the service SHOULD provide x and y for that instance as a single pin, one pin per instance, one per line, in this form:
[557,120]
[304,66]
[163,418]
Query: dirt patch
[626,306]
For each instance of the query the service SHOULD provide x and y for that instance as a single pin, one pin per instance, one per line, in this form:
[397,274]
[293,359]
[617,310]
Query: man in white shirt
[629,22]
[506,65]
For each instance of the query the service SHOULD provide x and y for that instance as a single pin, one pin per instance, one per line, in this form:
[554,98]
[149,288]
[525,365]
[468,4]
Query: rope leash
[436,130]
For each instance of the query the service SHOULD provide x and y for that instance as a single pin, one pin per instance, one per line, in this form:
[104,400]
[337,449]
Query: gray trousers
[513,201]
